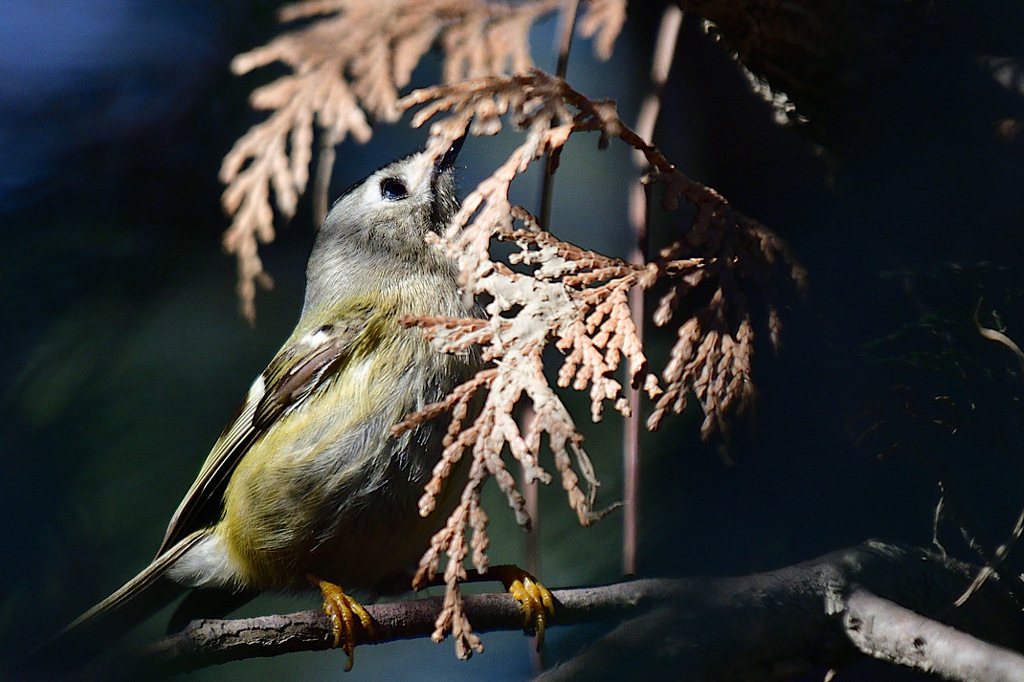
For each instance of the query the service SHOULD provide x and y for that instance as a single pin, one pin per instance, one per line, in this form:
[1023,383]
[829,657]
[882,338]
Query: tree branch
[766,626]
[889,632]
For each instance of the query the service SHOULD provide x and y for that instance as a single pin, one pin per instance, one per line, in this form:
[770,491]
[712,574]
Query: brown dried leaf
[604,19]
[346,67]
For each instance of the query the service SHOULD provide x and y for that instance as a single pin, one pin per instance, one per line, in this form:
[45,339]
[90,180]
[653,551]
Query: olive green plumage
[308,479]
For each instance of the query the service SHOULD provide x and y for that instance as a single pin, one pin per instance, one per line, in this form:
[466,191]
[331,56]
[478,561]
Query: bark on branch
[879,599]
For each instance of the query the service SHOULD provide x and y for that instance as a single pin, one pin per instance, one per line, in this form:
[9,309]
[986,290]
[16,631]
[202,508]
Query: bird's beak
[448,159]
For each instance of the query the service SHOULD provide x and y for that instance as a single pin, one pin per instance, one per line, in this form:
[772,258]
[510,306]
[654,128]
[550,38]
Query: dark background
[123,354]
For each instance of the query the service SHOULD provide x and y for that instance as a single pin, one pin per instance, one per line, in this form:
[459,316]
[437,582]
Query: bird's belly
[339,503]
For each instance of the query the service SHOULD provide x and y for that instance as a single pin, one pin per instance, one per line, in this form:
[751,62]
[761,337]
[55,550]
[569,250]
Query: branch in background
[979,400]
[563,44]
[808,59]
[891,633]
[828,611]
[661,62]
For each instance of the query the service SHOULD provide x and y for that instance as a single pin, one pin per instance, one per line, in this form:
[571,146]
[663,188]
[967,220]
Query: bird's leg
[343,611]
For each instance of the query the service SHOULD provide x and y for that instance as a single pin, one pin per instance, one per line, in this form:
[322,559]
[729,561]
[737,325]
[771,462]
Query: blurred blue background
[123,354]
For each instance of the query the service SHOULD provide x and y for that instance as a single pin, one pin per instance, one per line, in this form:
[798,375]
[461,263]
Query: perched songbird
[307,484]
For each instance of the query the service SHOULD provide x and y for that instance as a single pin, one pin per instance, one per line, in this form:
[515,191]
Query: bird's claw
[343,611]
[536,600]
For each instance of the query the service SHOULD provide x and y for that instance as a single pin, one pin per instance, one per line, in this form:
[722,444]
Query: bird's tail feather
[97,628]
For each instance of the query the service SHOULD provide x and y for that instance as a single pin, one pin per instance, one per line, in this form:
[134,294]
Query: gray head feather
[374,234]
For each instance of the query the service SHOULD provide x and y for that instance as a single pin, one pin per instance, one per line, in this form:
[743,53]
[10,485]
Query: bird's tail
[100,626]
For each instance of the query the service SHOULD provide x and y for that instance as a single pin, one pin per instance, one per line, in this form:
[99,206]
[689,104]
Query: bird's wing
[293,375]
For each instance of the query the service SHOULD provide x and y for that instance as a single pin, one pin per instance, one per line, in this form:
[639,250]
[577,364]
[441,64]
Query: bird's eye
[393,189]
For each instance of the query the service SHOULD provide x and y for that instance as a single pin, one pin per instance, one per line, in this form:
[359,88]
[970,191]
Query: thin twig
[663,52]
[992,567]
[322,180]
[566,26]
[998,336]
[531,491]
[567,23]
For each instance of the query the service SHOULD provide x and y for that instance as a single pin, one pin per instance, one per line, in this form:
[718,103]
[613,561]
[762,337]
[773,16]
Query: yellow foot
[343,611]
[537,602]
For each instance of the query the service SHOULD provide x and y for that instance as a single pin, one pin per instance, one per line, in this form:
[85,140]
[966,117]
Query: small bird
[307,484]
